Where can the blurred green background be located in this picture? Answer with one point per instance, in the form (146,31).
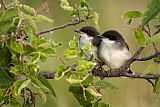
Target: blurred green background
(130,92)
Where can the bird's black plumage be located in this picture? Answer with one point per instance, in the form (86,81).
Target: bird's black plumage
(90,31)
(113,35)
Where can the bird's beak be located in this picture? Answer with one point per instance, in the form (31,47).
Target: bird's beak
(77,31)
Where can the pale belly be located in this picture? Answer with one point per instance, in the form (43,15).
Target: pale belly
(114,58)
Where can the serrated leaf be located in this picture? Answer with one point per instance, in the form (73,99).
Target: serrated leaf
(17,69)
(152,11)
(150,68)
(18,47)
(19,85)
(65,5)
(45,82)
(96,19)
(154,38)
(84,65)
(101,104)
(73,44)
(42,95)
(70,54)
(28,9)
(5,79)
(132,14)
(102,84)
(41,18)
(140,38)
(9,14)
(61,71)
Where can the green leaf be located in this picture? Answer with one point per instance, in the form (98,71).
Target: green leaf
(18,47)
(85,99)
(70,54)
(87,47)
(5,26)
(5,56)
(65,5)
(101,104)
(42,95)
(45,82)
(96,19)
(28,10)
(19,85)
(35,56)
(132,14)
(2,96)
(84,3)
(154,38)
(93,91)
(9,14)
(32,69)
(14,103)
(84,65)
(30,27)
(5,79)
(43,57)
(37,41)
(157,86)
(49,51)
(61,71)
(157,59)
(157,26)
(150,67)
(140,37)
(17,69)
(73,44)
(152,11)
(102,84)
(41,18)
(88,80)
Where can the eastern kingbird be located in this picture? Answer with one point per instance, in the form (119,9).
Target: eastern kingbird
(110,47)
(87,34)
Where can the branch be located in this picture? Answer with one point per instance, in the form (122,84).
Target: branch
(4,4)
(150,56)
(72,23)
(113,73)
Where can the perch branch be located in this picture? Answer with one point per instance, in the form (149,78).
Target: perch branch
(72,23)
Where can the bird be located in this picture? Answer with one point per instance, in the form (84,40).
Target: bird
(112,49)
(87,34)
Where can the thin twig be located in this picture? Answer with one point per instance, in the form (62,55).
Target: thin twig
(4,4)
(73,23)
(150,56)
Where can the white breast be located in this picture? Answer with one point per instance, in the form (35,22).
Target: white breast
(112,55)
